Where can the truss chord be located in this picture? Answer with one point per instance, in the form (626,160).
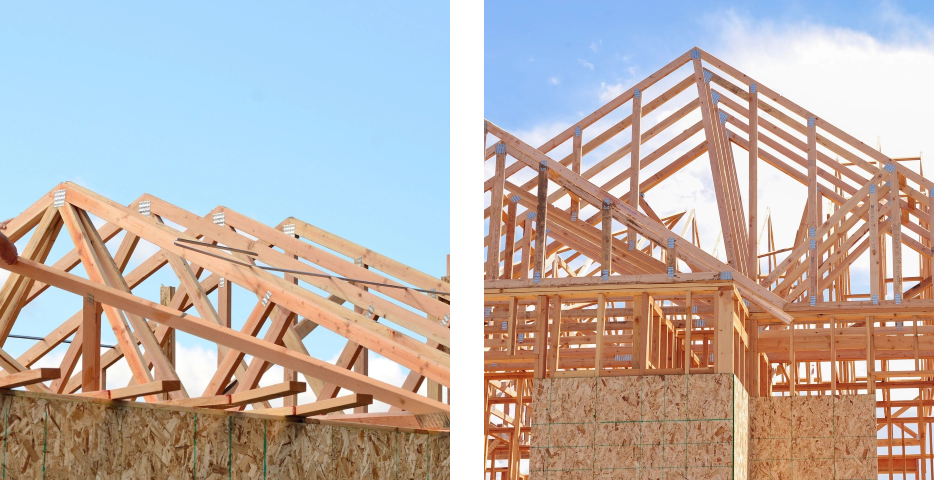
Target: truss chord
(311,274)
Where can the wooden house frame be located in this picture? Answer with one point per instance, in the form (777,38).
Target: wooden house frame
(583,278)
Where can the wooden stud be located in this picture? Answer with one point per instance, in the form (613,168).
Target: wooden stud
(541,223)
(541,340)
(723,331)
(875,286)
(91,341)
(601,331)
(813,214)
(496,217)
(510,253)
(554,336)
(895,216)
(753,257)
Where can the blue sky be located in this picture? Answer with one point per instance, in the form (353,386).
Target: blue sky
(334,113)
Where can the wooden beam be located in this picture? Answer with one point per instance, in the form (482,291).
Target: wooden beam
(875,261)
(541,223)
(133,391)
(256,395)
(509,255)
(895,216)
(496,217)
(634,154)
(576,154)
(641,311)
(322,407)
(813,214)
(29,377)
(232,339)
(723,331)
(554,335)
(601,331)
(753,269)
(224,302)
(91,344)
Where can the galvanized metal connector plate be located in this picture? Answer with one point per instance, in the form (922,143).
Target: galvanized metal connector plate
(58,200)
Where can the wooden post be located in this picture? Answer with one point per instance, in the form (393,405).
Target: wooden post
(833,355)
(792,363)
(870,356)
(895,215)
(723,331)
(813,220)
(541,223)
(91,344)
(496,214)
(514,456)
(287,374)
(641,311)
(512,325)
(688,326)
(165,298)
(525,255)
(555,335)
(752,358)
(753,271)
(878,293)
(223,310)
(634,155)
(601,330)
(510,253)
(576,154)
(606,256)
(541,334)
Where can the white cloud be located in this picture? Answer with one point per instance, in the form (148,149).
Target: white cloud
(585,63)
(609,92)
(554,81)
(594,46)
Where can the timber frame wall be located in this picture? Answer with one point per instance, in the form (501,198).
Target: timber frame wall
(584,278)
(212,252)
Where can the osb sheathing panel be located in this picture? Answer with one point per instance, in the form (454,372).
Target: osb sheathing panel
(813,437)
(212,447)
(649,426)
(90,439)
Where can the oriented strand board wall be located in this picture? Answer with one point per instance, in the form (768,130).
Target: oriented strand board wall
(813,437)
(652,426)
(53,437)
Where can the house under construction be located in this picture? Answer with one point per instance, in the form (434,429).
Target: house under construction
(77,424)
(616,346)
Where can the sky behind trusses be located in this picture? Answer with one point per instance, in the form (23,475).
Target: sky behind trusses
(335,113)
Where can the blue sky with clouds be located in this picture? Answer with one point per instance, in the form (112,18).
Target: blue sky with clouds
(336,113)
